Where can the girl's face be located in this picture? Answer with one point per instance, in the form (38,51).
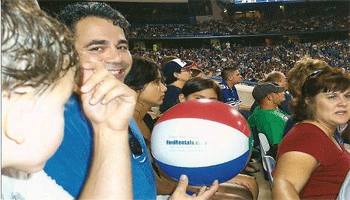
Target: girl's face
(153,93)
(203,94)
(332,108)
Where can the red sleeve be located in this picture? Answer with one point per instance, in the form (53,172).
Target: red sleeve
(307,138)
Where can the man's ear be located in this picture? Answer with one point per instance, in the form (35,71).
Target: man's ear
(269,96)
(182,98)
(176,75)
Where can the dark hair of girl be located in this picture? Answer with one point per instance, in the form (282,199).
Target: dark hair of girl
(198,84)
(143,71)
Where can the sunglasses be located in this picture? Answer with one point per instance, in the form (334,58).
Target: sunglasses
(135,145)
(137,150)
(313,75)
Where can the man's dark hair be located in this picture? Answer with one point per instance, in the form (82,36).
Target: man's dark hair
(225,73)
(72,13)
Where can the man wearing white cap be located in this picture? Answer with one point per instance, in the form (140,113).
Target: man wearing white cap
(176,73)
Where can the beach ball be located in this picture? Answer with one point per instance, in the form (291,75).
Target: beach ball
(204,139)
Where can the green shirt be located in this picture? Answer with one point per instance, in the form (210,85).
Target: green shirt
(269,122)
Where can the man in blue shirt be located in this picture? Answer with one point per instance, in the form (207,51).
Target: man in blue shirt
(100,38)
(86,157)
(230,77)
(70,165)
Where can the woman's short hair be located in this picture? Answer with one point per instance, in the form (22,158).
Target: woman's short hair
(198,84)
(326,80)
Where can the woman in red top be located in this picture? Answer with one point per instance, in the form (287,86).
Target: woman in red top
(310,162)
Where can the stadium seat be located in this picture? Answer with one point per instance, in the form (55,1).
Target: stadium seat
(267,160)
(264,144)
(270,166)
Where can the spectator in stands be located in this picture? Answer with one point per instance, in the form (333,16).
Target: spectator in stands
(195,72)
(202,88)
(280,79)
(262,59)
(297,76)
(267,118)
(145,78)
(176,72)
(230,77)
(250,75)
(311,164)
(38,69)
(37,77)
(165,60)
(101,42)
(327,18)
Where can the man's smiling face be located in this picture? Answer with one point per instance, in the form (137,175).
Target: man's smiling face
(99,39)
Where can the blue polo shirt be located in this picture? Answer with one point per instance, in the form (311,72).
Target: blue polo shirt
(70,165)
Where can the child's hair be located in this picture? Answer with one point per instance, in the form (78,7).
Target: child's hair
(35,47)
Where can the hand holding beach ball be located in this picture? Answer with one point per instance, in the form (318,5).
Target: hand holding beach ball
(204,139)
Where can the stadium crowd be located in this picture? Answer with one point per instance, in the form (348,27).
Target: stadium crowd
(78,73)
(261,59)
(243,27)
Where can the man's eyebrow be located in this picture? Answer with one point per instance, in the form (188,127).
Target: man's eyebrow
(96,42)
(123,41)
(105,42)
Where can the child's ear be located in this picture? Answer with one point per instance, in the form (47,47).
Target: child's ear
(14,104)
(182,98)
